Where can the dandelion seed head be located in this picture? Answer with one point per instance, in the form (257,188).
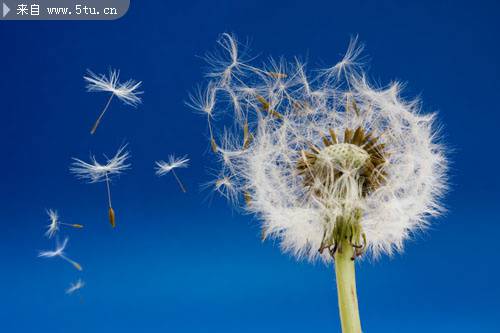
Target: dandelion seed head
(326,148)
(126,91)
(94,171)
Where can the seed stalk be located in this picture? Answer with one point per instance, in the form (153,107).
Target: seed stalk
(346,288)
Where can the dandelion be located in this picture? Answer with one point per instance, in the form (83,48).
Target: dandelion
(53,227)
(335,168)
(59,252)
(126,91)
(162,168)
(95,172)
(73,287)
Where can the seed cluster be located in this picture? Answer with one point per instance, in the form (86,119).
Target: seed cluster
(358,152)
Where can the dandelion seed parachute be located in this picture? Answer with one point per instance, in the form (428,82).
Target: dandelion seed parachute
(162,168)
(126,92)
(222,184)
(73,287)
(59,252)
(95,172)
(307,150)
(53,227)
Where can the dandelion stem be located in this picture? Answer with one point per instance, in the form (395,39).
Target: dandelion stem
(212,139)
(94,128)
(111,212)
(109,192)
(72,262)
(179,181)
(346,289)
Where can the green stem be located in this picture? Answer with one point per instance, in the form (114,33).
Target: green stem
(346,289)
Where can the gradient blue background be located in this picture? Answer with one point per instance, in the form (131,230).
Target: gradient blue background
(189,263)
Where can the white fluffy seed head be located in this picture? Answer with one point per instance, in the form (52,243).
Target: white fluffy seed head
(278,116)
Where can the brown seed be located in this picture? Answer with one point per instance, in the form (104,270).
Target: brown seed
(302,163)
(247,136)
(267,107)
(277,75)
(265,104)
(370,143)
(111,214)
(275,114)
(377,161)
(333,136)
(314,148)
(347,135)
(355,107)
(369,165)
(301,166)
(358,136)
(366,138)
(377,151)
(213,145)
(309,155)
(248,198)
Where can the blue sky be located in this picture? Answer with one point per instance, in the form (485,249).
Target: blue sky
(191,263)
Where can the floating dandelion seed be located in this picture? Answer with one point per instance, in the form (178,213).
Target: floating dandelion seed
(204,102)
(59,252)
(73,287)
(347,66)
(335,167)
(223,69)
(225,187)
(95,172)
(126,91)
(162,168)
(53,227)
